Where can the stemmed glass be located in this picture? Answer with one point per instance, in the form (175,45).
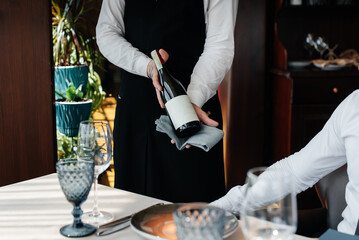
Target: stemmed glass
(269,206)
(309,44)
(76,177)
(321,46)
(95,142)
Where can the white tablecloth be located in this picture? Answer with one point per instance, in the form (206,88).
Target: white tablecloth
(36,209)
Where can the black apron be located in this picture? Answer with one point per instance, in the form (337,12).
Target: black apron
(145,160)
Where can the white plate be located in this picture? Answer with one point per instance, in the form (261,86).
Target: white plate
(156,223)
(299,64)
(331,67)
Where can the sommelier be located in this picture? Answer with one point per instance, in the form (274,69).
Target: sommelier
(198,37)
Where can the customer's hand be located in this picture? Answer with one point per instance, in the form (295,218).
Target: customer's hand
(153,74)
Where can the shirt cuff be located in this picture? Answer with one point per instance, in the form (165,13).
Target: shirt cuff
(196,95)
(232,201)
(140,66)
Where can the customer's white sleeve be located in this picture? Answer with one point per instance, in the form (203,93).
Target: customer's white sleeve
(322,155)
(110,31)
(350,135)
(218,52)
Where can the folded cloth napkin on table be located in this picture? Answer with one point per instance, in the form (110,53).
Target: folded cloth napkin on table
(332,234)
(205,138)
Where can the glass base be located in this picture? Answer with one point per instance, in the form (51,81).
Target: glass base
(71,231)
(97,219)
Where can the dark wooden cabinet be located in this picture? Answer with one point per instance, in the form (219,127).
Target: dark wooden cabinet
(307,120)
(315,95)
(304,99)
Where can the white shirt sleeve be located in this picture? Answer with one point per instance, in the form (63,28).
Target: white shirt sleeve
(326,152)
(350,135)
(212,65)
(218,52)
(110,31)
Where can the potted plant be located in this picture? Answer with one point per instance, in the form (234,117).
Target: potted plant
(75,57)
(75,53)
(71,109)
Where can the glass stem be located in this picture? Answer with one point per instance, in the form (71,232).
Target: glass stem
(95,210)
(77,213)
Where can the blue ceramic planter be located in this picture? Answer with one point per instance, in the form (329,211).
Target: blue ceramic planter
(70,114)
(64,75)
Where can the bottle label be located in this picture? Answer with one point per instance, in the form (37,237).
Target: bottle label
(181,111)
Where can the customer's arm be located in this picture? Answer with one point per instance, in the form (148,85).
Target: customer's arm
(322,155)
(350,135)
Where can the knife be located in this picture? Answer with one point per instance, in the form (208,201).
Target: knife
(118,224)
(116,228)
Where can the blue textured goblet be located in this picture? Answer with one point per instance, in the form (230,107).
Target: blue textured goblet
(76,177)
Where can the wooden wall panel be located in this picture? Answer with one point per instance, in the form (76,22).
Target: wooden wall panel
(282,116)
(27,132)
(246,93)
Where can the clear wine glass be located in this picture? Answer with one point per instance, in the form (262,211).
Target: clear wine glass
(309,44)
(95,142)
(269,206)
(321,46)
(76,177)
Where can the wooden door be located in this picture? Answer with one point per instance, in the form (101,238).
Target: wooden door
(27,132)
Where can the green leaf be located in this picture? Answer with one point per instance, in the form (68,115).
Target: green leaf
(60,94)
(73,93)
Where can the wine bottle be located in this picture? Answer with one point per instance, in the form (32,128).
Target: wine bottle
(178,105)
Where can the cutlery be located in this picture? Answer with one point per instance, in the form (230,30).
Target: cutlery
(114,229)
(118,224)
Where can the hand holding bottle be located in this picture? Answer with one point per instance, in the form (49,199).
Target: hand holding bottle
(172,96)
(203,117)
(153,74)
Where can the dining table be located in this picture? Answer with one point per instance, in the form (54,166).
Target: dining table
(36,209)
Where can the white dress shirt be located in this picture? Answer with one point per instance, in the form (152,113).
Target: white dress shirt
(212,65)
(336,144)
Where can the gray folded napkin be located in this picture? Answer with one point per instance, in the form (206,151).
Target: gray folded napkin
(205,138)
